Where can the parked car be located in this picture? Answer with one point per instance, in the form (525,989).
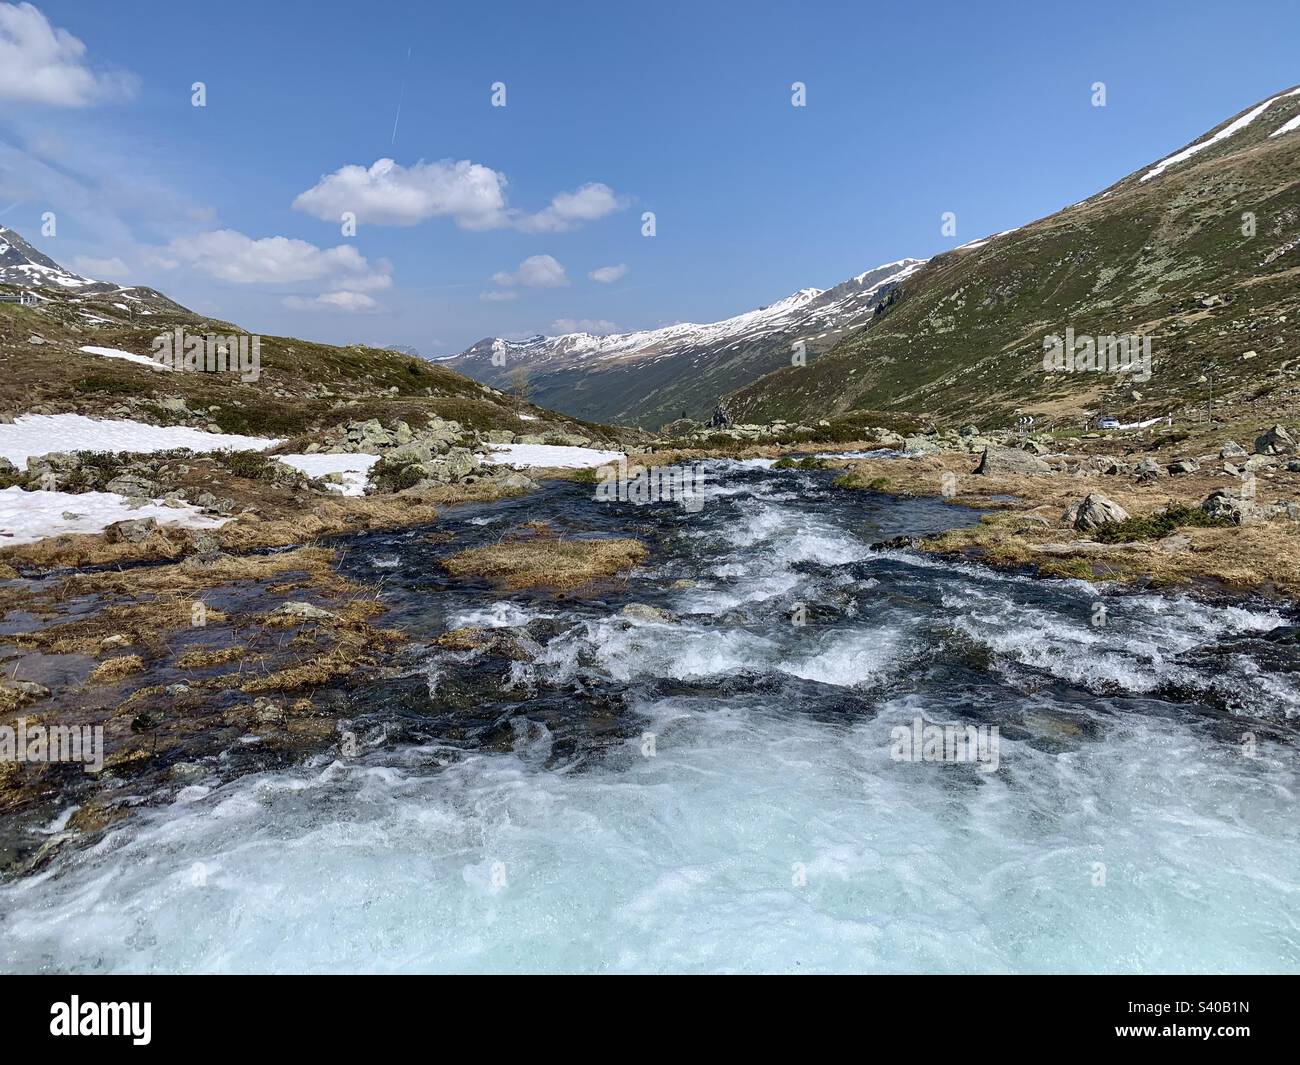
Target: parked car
(1108,423)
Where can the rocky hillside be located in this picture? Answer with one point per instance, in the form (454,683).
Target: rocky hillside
(655,376)
(299,387)
(1199,251)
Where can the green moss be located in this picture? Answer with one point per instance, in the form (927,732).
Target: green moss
(1158,526)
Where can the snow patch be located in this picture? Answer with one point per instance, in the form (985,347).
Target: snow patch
(40,434)
(525,455)
(1223,134)
(355,469)
(118,353)
(26,517)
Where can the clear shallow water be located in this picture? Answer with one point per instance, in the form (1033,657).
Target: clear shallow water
(505,812)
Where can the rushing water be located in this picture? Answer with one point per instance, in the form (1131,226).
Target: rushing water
(713,789)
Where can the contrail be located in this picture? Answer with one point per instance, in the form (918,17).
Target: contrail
(401,97)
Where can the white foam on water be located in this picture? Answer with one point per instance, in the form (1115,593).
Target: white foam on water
(752,836)
(753,840)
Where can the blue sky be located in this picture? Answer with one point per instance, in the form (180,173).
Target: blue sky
(683,109)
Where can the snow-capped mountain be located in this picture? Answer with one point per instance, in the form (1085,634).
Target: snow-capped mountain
(21,264)
(652,376)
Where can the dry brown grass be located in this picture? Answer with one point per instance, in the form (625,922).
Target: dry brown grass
(1028,531)
(115,669)
(206,659)
(546,562)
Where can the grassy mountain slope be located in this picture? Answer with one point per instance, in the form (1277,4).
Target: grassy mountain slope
(1165,257)
(302,387)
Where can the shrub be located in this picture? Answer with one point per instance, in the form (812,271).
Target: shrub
(1158,526)
(253,465)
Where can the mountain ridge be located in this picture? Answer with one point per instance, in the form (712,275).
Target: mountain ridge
(652,376)
(1196,250)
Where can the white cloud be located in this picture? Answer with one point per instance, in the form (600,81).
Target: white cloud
(471,194)
(231,256)
(387,194)
(342,301)
(499,296)
(537,271)
(568,210)
(607,275)
(101,269)
(44,65)
(583,325)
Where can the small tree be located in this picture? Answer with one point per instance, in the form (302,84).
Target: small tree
(519,384)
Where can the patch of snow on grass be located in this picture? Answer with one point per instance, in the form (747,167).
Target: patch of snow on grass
(354,469)
(575,458)
(41,434)
(26,517)
(1223,134)
(118,353)
(1287,127)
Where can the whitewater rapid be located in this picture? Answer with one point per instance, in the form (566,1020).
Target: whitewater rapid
(712,789)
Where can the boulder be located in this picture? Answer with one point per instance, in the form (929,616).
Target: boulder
(1149,470)
(306,611)
(1094,511)
(517,481)
(133,486)
(1223,504)
(644,612)
(1011,460)
(131,531)
(1180,466)
(1232,450)
(1277,441)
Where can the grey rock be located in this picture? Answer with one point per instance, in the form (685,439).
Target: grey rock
(1011,460)
(1223,504)
(306,611)
(1277,441)
(131,531)
(644,612)
(1149,470)
(1094,511)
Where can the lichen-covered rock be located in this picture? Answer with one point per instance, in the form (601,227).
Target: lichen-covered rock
(131,531)
(1012,461)
(1094,511)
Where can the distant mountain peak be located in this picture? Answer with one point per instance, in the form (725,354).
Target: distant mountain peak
(22,264)
(656,374)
